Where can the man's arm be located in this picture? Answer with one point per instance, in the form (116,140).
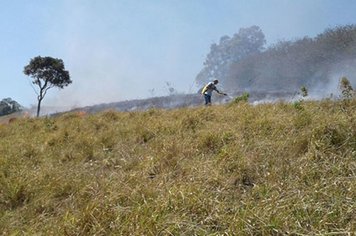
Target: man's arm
(219,92)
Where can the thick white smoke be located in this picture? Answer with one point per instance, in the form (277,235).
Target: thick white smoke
(330,88)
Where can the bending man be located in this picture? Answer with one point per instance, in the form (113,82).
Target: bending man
(208,91)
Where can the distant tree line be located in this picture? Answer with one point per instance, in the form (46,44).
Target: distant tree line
(230,51)
(242,62)
(8,106)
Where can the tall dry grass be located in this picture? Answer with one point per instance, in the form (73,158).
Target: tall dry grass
(238,169)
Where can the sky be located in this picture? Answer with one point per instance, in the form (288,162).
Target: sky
(119,50)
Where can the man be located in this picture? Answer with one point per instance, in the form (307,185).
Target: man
(208,91)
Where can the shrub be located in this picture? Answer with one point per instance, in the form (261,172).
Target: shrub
(298,105)
(243,98)
(346,88)
(304,91)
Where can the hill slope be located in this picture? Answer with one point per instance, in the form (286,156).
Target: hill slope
(234,169)
(13,116)
(182,100)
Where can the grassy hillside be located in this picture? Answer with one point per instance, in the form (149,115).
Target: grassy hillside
(12,117)
(223,170)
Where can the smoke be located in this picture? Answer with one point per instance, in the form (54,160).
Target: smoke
(123,50)
(114,56)
(330,88)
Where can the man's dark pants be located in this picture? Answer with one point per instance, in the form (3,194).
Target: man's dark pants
(207,99)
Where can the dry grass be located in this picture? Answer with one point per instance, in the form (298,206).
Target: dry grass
(223,170)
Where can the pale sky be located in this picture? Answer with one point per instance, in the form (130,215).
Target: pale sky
(121,49)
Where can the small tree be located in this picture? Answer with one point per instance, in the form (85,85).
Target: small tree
(304,91)
(171,89)
(47,72)
(346,88)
